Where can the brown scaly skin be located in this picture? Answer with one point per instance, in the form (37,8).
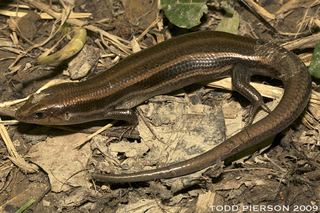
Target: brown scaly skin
(171,65)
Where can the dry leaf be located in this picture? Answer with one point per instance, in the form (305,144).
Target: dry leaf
(64,164)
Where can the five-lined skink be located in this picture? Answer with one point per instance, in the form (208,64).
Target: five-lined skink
(171,65)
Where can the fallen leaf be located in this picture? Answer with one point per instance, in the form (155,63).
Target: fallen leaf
(64,164)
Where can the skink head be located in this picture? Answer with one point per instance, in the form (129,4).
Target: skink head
(40,110)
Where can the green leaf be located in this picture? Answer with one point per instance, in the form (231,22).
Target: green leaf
(184,13)
(230,23)
(314,67)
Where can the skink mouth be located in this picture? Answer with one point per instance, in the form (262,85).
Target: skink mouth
(24,115)
(19,115)
(22,118)
(26,119)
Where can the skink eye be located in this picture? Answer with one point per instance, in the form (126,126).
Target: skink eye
(67,116)
(38,115)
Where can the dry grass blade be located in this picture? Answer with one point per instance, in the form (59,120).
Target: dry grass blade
(272,92)
(44,15)
(12,5)
(306,42)
(13,154)
(294,4)
(260,10)
(265,90)
(48,84)
(81,143)
(8,104)
(8,45)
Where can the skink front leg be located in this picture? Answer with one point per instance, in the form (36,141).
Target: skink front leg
(127,115)
(241,77)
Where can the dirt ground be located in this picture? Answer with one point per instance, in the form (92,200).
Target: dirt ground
(44,170)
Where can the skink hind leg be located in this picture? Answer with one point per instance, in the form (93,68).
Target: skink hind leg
(241,83)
